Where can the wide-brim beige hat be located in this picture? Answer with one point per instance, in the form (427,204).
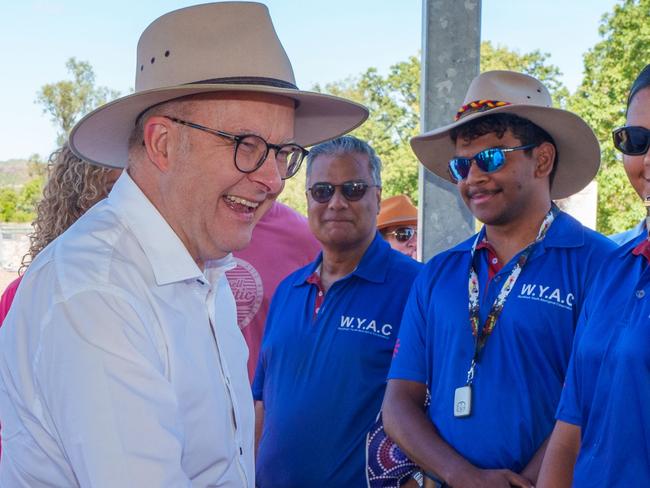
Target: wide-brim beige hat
(495,92)
(216,47)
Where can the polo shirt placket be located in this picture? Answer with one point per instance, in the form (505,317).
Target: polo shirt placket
(322,378)
(521,369)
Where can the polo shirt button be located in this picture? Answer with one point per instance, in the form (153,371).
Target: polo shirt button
(640,293)
(320,293)
(495,260)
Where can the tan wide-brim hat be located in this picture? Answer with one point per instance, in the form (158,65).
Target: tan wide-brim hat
(496,92)
(216,47)
(397,210)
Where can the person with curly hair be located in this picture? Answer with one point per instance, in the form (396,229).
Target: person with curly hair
(73,186)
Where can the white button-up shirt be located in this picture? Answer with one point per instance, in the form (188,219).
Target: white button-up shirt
(121,363)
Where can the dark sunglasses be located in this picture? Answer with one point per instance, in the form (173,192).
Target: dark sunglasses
(632,140)
(322,192)
(488,160)
(403,234)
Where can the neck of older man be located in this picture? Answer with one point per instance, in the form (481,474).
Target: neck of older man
(338,262)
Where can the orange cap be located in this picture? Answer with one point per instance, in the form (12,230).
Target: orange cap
(397,210)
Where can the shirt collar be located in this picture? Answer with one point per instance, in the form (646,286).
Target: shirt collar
(565,231)
(634,246)
(372,266)
(168,257)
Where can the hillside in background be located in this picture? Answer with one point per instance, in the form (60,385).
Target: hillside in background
(14,173)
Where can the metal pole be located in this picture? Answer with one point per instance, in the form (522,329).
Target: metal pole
(451,37)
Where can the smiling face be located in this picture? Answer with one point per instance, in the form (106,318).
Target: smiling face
(341,224)
(638,167)
(509,195)
(211,205)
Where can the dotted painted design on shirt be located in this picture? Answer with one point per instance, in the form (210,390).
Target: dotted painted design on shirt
(246,285)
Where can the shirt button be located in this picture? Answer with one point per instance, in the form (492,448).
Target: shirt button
(640,293)
(317,310)
(495,260)
(320,293)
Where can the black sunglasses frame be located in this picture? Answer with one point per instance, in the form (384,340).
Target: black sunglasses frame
(479,160)
(618,139)
(399,237)
(347,190)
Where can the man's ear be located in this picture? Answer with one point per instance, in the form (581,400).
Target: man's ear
(378,200)
(157,131)
(545,156)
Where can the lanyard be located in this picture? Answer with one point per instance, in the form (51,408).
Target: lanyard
(481,336)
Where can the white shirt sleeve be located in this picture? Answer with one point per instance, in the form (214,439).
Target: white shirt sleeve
(101,373)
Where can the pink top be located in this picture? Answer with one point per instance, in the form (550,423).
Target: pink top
(7,298)
(281,243)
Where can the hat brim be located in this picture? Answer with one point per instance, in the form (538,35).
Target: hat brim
(101,137)
(398,221)
(577,147)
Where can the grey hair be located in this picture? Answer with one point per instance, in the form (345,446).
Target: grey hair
(347,145)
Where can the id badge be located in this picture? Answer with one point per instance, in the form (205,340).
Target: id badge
(463,401)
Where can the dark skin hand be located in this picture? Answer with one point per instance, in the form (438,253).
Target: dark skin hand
(408,425)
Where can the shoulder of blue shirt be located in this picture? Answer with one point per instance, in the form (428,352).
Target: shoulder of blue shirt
(378,261)
(565,232)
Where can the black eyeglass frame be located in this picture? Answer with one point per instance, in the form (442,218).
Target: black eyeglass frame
(625,128)
(474,159)
(238,138)
(342,186)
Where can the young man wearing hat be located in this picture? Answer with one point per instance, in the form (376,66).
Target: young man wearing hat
(489,324)
(398,224)
(122,361)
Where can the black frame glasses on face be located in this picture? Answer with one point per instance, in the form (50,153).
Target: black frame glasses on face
(352,191)
(632,140)
(252,150)
(488,160)
(403,234)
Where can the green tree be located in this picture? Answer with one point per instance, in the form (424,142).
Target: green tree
(394,103)
(610,67)
(67,100)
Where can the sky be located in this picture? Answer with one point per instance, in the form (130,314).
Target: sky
(326,40)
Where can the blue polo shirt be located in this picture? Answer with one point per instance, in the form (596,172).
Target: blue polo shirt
(322,378)
(607,391)
(519,377)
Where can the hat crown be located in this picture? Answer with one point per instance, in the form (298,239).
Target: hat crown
(509,87)
(225,41)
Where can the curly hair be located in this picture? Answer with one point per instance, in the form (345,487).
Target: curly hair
(73,186)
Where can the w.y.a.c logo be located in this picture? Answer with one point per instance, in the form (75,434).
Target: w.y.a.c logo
(373,327)
(547,294)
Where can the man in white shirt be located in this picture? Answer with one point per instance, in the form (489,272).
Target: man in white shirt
(121,361)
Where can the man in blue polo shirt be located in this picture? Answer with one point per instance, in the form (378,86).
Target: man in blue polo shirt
(331,330)
(489,325)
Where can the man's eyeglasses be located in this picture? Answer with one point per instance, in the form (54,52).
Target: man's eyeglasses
(403,234)
(322,192)
(488,160)
(632,140)
(252,150)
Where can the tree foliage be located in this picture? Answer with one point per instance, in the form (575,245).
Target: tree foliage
(394,103)
(67,100)
(610,67)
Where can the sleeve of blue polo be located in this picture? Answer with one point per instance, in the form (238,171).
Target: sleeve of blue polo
(258,380)
(409,357)
(569,409)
